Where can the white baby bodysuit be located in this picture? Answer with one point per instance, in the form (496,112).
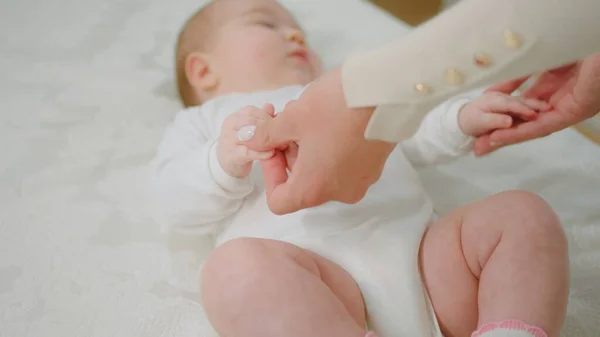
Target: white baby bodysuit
(376,240)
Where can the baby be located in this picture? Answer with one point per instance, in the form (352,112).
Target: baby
(386,265)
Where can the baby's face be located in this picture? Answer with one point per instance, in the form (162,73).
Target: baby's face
(259,46)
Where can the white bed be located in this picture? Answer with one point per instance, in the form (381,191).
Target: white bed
(85,92)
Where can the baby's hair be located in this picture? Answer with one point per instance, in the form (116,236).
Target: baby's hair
(193,37)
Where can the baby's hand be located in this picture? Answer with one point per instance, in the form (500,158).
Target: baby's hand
(236,159)
(494,110)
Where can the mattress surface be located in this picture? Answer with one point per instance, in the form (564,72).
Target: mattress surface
(86,90)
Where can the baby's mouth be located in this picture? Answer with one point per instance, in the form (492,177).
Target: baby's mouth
(300,54)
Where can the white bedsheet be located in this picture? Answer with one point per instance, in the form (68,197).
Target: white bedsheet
(86,90)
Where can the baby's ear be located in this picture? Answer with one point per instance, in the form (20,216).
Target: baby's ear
(199,73)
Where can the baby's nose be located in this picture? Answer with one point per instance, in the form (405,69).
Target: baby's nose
(296,36)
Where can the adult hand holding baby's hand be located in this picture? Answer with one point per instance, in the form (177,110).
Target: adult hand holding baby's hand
(333,161)
(495,110)
(573,91)
(235,158)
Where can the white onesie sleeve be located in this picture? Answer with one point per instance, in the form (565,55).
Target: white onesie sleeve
(439,138)
(191,190)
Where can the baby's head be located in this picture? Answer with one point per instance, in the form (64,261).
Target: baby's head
(241,46)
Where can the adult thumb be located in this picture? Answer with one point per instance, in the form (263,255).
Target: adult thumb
(267,135)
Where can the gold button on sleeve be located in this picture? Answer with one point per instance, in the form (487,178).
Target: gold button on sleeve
(454,77)
(482,60)
(423,88)
(511,39)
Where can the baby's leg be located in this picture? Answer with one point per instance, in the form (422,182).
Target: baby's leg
(266,288)
(501,259)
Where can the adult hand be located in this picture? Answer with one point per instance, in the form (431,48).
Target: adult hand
(572,90)
(333,161)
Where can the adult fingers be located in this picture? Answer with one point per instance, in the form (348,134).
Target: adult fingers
(550,82)
(274,172)
(306,186)
(282,196)
(545,124)
(507,87)
(291,154)
(543,88)
(511,105)
(255,155)
(483,146)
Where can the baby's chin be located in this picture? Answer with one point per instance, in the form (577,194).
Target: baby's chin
(303,82)
(286,82)
(274,85)
(294,78)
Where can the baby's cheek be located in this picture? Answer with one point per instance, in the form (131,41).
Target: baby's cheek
(259,59)
(245,52)
(316,63)
(257,49)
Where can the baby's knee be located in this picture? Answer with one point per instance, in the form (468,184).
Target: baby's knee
(232,266)
(527,204)
(533,216)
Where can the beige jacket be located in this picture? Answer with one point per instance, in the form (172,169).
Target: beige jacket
(473,44)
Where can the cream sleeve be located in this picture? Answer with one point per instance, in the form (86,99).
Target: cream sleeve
(439,139)
(473,44)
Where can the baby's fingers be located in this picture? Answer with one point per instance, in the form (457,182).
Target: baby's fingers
(251,115)
(537,105)
(493,121)
(254,155)
(513,106)
(245,121)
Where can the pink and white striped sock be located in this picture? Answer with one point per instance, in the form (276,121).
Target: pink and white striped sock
(510,328)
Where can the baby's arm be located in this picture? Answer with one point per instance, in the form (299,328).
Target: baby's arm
(439,139)
(198,180)
(450,129)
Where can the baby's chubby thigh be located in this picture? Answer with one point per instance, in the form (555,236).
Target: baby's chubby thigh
(254,282)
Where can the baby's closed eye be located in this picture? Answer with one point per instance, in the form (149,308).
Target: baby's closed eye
(266,23)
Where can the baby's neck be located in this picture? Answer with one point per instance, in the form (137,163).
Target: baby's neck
(251,90)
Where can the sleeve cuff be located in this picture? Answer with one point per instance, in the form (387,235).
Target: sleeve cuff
(449,123)
(224,180)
